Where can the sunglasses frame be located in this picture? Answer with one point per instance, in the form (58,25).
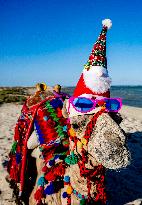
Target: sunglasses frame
(94,101)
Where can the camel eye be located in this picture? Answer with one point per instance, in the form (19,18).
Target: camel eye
(75,126)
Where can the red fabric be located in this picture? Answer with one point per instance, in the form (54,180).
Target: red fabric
(23,130)
(82,89)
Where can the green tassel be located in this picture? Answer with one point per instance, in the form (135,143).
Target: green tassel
(71,159)
(53,114)
(51,111)
(56,119)
(82,202)
(13,149)
(59,128)
(60,132)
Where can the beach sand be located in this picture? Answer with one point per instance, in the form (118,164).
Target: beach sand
(124,186)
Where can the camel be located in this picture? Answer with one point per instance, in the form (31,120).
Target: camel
(106,146)
(96,141)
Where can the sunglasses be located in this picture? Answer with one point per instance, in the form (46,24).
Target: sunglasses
(84,105)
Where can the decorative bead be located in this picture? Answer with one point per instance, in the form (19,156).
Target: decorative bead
(69,190)
(65,195)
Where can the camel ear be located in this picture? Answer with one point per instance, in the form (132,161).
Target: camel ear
(64,109)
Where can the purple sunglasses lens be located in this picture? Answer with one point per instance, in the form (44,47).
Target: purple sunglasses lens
(83,104)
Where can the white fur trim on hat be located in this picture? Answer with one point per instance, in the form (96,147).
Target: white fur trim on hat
(98,70)
(97,79)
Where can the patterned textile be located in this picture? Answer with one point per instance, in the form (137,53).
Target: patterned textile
(23,129)
(50,126)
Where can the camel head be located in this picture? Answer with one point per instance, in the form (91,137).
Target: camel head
(106,144)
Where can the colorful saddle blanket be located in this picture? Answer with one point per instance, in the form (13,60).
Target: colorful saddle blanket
(51,128)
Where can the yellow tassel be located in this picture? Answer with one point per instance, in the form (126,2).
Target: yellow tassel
(69,190)
(72,132)
(79,145)
(84,141)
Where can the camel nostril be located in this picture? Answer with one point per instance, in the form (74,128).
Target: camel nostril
(75,126)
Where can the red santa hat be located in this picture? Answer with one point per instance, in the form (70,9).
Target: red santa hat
(94,79)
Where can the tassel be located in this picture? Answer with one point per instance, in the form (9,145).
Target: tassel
(49,189)
(41,181)
(82,202)
(13,149)
(71,159)
(39,194)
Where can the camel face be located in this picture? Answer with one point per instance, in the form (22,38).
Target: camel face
(106,145)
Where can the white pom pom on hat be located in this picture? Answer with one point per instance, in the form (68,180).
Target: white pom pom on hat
(107,23)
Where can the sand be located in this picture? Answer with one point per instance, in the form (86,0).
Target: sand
(124,186)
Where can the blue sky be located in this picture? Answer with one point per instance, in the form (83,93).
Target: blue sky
(50,40)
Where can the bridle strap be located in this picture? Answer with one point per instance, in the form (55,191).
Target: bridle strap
(84,172)
(91,124)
